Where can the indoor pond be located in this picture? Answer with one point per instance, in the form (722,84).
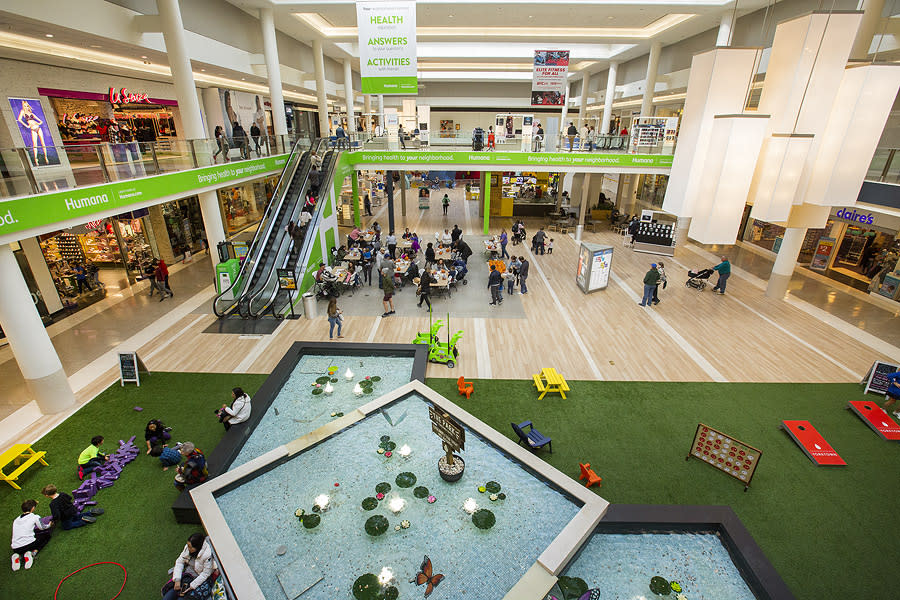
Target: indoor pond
(365,514)
(640,566)
(296,411)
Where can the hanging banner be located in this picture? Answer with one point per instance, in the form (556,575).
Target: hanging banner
(550,77)
(387,47)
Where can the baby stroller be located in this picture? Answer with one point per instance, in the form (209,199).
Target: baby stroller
(698,280)
(478,139)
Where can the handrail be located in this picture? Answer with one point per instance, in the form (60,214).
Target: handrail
(249,265)
(329,165)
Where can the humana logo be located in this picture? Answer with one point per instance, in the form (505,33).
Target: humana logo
(72,204)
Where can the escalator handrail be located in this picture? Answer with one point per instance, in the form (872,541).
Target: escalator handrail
(329,163)
(293,162)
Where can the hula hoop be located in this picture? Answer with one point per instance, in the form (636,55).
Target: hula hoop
(61,581)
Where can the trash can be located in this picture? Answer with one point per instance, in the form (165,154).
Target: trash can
(309,305)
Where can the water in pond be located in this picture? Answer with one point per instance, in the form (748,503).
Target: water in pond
(296,411)
(620,566)
(477,564)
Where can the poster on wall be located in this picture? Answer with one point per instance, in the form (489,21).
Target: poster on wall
(29,116)
(549,78)
(387,47)
(823,253)
(447,129)
(245,109)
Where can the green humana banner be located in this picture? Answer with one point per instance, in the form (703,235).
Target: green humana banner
(387,47)
(502,160)
(29,212)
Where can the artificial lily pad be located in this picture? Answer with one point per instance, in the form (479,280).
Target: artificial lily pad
(483,518)
(334,380)
(502,496)
(376,378)
(367,587)
(311,520)
(390,593)
(385,438)
(383,488)
(369,390)
(406,480)
(376,525)
(316,508)
(323,379)
(492,487)
(387,446)
(659,586)
(369,503)
(420,492)
(317,391)
(572,588)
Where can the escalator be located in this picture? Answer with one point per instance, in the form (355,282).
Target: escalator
(271,235)
(271,299)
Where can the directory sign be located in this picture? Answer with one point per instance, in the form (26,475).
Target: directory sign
(725,453)
(600,269)
(549,79)
(387,47)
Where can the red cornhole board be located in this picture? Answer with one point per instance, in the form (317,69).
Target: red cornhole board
(813,444)
(875,417)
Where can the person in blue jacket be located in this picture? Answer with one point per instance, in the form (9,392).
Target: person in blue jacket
(893,392)
(724,270)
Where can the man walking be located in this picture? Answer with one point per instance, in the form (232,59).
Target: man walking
(651,280)
(494,282)
(724,270)
(445,203)
(539,241)
(523,275)
(571,132)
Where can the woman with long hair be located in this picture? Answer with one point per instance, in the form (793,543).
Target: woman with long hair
(222,142)
(192,571)
(28,119)
(335,317)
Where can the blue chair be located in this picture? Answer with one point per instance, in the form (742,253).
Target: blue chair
(532,439)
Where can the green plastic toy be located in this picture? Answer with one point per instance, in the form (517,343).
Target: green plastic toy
(427,337)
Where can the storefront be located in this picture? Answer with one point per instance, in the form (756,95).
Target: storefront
(244,205)
(858,247)
(84,117)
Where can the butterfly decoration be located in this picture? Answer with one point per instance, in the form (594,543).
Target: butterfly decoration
(424,576)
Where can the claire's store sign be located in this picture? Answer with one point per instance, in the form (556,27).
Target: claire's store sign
(124,96)
(32,212)
(850,214)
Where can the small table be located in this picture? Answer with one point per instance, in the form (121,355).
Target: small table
(367,236)
(442,252)
(441,282)
(15,454)
(548,380)
(353,255)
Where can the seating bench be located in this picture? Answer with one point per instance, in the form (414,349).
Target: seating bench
(14,454)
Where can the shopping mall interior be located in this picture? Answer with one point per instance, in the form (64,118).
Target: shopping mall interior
(308,246)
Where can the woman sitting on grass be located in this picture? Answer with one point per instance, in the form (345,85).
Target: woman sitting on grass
(191,575)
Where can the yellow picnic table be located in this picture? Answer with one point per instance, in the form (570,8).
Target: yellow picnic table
(16,453)
(548,380)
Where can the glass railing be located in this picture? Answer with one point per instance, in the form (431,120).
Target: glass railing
(459,141)
(26,171)
(885,166)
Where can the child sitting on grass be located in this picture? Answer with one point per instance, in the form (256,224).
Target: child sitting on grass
(64,512)
(29,535)
(169,457)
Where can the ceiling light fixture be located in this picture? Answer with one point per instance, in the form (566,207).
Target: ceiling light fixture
(49,35)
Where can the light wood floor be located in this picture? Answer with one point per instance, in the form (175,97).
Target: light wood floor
(689,336)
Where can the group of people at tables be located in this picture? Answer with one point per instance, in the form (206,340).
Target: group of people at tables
(353,262)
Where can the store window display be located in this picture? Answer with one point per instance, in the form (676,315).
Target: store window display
(244,205)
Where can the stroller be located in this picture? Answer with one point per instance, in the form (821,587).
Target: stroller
(478,139)
(698,280)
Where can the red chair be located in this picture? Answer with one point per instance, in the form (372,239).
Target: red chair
(587,473)
(465,387)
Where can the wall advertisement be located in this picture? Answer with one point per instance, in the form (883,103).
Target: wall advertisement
(387,47)
(29,116)
(244,108)
(549,79)
(20,214)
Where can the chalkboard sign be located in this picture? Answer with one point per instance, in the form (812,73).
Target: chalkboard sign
(130,366)
(876,379)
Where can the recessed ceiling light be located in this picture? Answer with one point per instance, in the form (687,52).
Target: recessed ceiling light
(143,57)
(95,46)
(204,70)
(243,79)
(48,35)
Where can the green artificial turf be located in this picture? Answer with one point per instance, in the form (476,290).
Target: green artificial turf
(138,529)
(829,531)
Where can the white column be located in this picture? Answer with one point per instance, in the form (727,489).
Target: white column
(610,96)
(182,74)
(582,108)
(650,81)
(348,95)
(563,124)
(189,107)
(273,70)
(785,261)
(585,198)
(725,26)
(41,273)
(34,352)
(867,28)
(319,60)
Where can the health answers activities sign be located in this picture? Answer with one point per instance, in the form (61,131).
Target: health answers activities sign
(387,47)
(549,79)
(20,214)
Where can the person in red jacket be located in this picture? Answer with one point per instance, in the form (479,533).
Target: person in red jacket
(161,274)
